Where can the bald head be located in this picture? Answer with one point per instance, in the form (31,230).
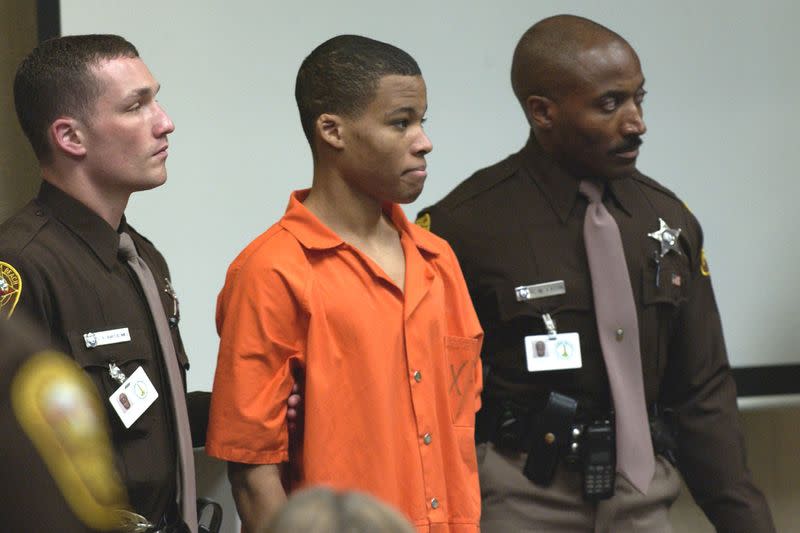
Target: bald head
(582,88)
(547,58)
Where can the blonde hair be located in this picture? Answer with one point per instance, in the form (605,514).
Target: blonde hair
(323,510)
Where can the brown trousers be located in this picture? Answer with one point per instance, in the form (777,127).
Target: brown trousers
(511,503)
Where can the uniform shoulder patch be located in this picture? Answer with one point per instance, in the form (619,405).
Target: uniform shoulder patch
(57,406)
(704,263)
(424,221)
(10,289)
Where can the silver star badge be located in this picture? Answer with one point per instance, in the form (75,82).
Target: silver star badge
(667,236)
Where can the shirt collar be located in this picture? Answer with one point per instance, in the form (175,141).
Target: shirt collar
(101,238)
(560,187)
(315,235)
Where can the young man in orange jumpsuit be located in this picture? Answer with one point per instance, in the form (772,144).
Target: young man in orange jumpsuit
(368,312)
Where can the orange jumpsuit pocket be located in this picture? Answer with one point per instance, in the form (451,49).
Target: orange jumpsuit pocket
(463,357)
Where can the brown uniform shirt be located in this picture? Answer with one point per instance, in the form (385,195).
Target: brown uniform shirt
(520,222)
(73,283)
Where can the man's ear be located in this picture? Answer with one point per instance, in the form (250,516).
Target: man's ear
(541,111)
(329,128)
(67,136)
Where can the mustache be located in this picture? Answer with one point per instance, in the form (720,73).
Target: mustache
(630,144)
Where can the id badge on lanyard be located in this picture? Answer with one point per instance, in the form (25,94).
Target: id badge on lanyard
(553,351)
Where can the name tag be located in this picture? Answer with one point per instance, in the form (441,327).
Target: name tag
(553,352)
(133,397)
(540,290)
(94,339)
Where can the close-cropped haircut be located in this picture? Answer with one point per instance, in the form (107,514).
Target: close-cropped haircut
(545,58)
(56,79)
(341,76)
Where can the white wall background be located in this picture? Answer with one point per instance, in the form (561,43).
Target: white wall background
(722,80)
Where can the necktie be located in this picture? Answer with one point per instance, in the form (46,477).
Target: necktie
(618,329)
(186,478)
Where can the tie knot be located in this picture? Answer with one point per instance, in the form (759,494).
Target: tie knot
(127,250)
(591,190)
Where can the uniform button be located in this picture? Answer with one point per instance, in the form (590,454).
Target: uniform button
(417,376)
(620,334)
(549,438)
(434,503)
(427,438)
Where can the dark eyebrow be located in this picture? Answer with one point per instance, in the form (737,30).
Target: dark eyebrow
(405,110)
(144,91)
(614,93)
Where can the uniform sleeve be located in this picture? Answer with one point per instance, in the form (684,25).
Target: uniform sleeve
(711,452)
(262,323)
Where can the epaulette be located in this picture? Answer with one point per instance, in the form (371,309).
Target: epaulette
(653,184)
(480,181)
(21,228)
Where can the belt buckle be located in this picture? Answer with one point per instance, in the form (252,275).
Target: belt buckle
(130,522)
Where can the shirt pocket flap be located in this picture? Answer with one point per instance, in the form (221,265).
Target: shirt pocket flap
(673,281)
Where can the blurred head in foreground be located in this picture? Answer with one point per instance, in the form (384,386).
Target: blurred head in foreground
(323,510)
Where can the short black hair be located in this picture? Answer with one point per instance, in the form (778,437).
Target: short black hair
(342,74)
(56,79)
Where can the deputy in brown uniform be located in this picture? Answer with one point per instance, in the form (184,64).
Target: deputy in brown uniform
(517,228)
(88,106)
(56,462)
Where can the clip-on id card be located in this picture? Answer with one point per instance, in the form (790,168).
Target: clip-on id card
(133,397)
(553,351)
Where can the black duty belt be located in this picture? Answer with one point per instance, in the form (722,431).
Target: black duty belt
(560,431)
